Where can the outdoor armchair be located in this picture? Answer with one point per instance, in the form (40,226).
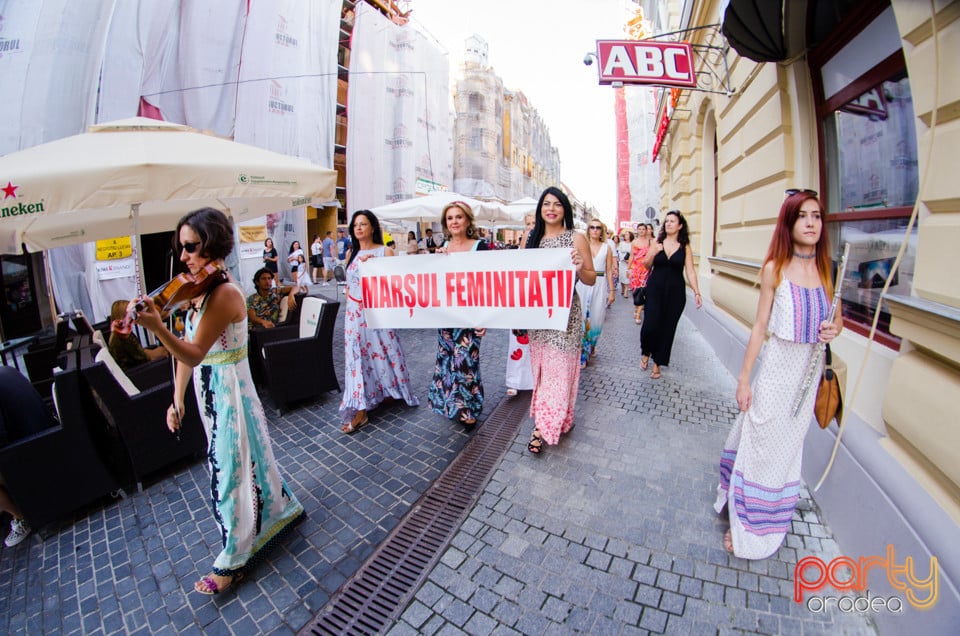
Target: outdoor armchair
(300,366)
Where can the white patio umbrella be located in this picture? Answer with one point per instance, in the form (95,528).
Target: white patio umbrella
(141,175)
(430,206)
(520,208)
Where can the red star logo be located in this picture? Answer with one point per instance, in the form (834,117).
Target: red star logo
(10,191)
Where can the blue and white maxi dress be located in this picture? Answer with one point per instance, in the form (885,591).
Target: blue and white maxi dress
(251,502)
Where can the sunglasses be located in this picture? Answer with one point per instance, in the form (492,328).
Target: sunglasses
(595,227)
(792,191)
(189,247)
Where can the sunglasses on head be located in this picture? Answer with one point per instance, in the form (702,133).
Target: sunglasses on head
(189,247)
(792,191)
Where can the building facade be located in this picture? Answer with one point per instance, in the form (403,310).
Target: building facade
(855,100)
(502,147)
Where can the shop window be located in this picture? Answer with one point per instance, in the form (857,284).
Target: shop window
(870,169)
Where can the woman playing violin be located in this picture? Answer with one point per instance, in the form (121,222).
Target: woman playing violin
(252,504)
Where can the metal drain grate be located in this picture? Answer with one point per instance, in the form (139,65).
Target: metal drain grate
(373,598)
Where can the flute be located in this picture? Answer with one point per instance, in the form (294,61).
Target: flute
(821,346)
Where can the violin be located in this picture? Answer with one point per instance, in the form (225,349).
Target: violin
(176,293)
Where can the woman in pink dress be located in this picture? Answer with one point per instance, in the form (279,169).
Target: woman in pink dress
(555,354)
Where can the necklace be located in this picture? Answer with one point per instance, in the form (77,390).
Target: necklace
(805,257)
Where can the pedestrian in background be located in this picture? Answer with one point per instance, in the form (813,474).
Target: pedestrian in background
(375,369)
(343,244)
(328,251)
(457,389)
(253,506)
(613,274)
(519,376)
(316,260)
(555,354)
(670,256)
(623,260)
(412,246)
(293,260)
(761,458)
(595,298)
(271,260)
(638,269)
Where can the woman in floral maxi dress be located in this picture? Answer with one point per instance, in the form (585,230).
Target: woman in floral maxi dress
(761,459)
(251,503)
(457,389)
(554,354)
(375,369)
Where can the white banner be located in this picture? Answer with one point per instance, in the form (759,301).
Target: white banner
(503,289)
(116,269)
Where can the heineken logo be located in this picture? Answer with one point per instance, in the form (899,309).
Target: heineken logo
(17,208)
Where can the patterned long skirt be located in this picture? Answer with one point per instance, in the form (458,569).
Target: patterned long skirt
(760,462)
(555,362)
(457,391)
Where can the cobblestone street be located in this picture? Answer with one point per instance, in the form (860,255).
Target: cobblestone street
(612,531)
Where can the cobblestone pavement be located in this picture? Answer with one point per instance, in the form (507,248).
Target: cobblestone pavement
(610,532)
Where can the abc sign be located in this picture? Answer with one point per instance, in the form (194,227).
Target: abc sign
(646,62)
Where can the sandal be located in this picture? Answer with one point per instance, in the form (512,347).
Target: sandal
(644,362)
(656,372)
(466,419)
(728,541)
(511,392)
(535,445)
(359,420)
(209,587)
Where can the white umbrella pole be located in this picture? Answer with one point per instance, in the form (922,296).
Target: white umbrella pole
(141,281)
(49,274)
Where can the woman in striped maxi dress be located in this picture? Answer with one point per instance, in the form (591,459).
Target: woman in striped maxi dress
(760,463)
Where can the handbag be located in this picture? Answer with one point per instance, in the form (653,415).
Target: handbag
(829,403)
(639,296)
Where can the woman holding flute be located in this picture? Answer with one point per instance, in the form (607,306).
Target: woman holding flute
(760,462)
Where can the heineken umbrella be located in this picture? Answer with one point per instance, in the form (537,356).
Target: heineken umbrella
(138,176)
(429,208)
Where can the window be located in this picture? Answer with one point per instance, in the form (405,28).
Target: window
(870,171)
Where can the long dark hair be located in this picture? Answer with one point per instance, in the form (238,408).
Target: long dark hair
(377,234)
(536,234)
(683,237)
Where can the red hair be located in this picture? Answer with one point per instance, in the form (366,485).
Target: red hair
(781,245)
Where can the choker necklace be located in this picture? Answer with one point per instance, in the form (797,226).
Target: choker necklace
(805,257)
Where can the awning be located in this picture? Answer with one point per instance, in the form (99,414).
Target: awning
(765,30)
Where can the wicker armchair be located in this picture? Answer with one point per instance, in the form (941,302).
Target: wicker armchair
(58,469)
(139,414)
(288,328)
(300,366)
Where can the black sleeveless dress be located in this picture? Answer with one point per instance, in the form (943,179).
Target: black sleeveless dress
(666,298)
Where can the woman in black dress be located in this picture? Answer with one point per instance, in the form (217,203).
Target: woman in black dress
(670,255)
(270,259)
